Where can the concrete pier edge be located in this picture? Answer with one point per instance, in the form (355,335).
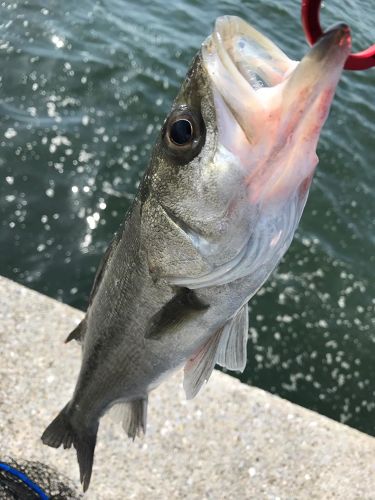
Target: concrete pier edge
(232,442)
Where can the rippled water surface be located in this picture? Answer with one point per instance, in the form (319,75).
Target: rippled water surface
(84,88)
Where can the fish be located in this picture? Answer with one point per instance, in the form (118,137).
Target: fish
(217,209)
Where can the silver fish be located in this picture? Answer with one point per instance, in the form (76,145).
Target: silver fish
(216,211)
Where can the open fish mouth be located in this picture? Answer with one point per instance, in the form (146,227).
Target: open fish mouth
(238,50)
(257,87)
(240,59)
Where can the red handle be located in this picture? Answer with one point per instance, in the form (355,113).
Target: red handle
(313,31)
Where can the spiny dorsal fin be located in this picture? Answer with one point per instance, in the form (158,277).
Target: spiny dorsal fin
(103,264)
(226,347)
(78,333)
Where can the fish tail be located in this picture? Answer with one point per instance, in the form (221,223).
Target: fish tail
(62,432)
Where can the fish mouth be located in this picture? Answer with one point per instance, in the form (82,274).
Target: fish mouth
(241,55)
(269,108)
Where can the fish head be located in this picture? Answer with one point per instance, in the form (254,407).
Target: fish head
(237,154)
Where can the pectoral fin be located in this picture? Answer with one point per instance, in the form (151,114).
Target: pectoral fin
(182,307)
(226,347)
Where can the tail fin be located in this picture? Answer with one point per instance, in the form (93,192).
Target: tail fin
(61,432)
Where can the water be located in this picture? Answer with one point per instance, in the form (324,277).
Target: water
(84,89)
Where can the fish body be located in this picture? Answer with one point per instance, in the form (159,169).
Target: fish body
(216,211)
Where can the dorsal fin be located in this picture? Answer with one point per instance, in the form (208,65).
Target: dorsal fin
(103,263)
(78,333)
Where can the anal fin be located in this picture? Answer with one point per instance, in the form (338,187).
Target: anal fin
(134,416)
(227,347)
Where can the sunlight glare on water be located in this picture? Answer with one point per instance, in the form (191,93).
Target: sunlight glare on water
(84,89)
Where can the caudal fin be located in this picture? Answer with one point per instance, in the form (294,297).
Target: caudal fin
(61,432)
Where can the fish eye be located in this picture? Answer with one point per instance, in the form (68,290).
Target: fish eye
(181,132)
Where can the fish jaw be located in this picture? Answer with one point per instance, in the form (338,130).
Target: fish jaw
(270,109)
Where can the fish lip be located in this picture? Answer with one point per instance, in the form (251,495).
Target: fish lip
(336,37)
(244,52)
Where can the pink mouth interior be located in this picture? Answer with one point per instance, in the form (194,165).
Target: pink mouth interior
(270,109)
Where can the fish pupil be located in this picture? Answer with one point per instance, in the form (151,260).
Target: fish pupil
(181,132)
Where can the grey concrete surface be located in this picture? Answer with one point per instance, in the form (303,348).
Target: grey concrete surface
(231,442)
